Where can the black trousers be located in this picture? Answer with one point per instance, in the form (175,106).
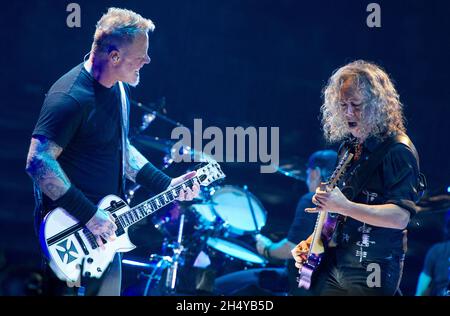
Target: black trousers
(368,278)
(108,285)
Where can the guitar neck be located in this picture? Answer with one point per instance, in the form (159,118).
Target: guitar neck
(153,204)
(317,245)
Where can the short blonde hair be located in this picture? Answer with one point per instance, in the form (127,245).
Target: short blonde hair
(119,27)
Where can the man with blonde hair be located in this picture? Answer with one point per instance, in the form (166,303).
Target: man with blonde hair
(79,150)
(365,253)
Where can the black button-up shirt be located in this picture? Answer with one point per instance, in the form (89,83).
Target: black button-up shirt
(394,181)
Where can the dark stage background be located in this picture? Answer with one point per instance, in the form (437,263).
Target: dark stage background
(231,63)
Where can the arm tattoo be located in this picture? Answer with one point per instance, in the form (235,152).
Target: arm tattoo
(134,162)
(44,169)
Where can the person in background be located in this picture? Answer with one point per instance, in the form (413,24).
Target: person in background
(434,280)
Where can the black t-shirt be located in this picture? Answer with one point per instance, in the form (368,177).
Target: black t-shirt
(394,181)
(437,266)
(303,224)
(84,118)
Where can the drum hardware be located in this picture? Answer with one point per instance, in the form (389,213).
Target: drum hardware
(177,249)
(151,108)
(146,120)
(169,263)
(215,228)
(293,167)
(165,146)
(153,111)
(129,194)
(159,224)
(161,145)
(155,276)
(252,211)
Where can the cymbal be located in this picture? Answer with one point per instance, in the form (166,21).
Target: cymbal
(296,174)
(294,168)
(166,146)
(155,143)
(195,155)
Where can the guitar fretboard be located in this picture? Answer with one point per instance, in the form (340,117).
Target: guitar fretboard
(146,208)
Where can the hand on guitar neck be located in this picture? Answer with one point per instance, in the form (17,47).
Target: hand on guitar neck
(333,201)
(328,198)
(189,193)
(102,223)
(300,252)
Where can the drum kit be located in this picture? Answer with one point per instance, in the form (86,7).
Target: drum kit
(210,237)
(203,239)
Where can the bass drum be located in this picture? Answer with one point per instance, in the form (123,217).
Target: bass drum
(239,211)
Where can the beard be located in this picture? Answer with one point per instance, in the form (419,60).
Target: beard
(132,78)
(135,82)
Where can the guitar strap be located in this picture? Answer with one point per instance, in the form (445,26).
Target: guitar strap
(124,123)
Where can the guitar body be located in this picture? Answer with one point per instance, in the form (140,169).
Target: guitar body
(308,268)
(71,247)
(314,259)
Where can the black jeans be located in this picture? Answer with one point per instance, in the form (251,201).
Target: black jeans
(368,278)
(108,285)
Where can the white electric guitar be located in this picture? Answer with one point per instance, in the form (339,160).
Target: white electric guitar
(72,249)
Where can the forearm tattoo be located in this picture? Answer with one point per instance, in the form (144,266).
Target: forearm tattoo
(134,162)
(45,170)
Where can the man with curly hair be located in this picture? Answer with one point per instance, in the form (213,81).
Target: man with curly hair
(362,110)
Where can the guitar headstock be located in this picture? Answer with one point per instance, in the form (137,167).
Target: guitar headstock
(209,173)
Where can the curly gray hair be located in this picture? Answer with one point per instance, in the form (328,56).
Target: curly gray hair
(381,109)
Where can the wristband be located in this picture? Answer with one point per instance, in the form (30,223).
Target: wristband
(266,252)
(77,205)
(152,178)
